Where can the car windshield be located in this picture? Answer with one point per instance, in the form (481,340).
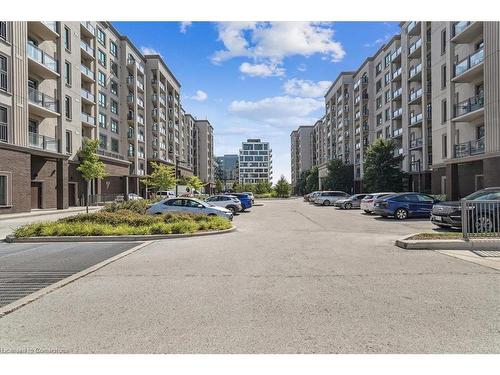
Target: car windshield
(478,195)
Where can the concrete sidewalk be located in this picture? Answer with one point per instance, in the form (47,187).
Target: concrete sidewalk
(49,211)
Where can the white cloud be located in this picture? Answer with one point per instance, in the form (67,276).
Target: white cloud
(271,42)
(278,111)
(306,88)
(200,96)
(261,70)
(149,51)
(184,26)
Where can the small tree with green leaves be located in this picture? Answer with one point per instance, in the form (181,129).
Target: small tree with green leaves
(91,167)
(283,188)
(312,181)
(161,178)
(263,187)
(339,177)
(195,183)
(218,186)
(382,170)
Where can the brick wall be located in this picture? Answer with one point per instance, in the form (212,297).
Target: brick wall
(18,164)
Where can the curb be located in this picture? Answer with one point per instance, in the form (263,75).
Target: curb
(149,237)
(45,213)
(473,244)
(40,293)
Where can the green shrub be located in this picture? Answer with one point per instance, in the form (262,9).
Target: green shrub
(138,206)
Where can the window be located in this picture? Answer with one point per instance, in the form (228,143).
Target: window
(113,49)
(114,69)
(67,107)
(378,85)
(101,78)
(114,126)
(4,135)
(103,141)
(5,189)
(3,73)
(387,114)
(3,30)
(103,100)
(69,142)
(379,102)
(67,38)
(387,78)
(379,119)
(114,107)
(444,111)
(444,146)
(103,121)
(443,76)
(113,87)
(115,145)
(67,73)
(101,57)
(101,37)
(387,59)
(480,131)
(443,41)
(378,69)
(387,96)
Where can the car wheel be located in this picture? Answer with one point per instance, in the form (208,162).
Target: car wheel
(212,215)
(367,211)
(326,203)
(401,214)
(233,209)
(158,213)
(348,206)
(483,224)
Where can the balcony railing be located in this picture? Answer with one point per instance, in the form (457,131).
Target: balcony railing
(398,152)
(89,73)
(415,119)
(415,166)
(397,132)
(411,26)
(51,25)
(4,132)
(458,27)
(397,92)
(41,57)
(39,98)
(88,26)
(469,62)
(415,95)
(398,112)
(396,73)
(110,154)
(396,54)
(87,48)
(414,70)
(88,95)
(88,118)
(469,105)
(414,46)
(469,148)
(416,142)
(43,142)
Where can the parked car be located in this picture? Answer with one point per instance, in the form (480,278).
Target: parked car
(245,200)
(405,205)
(369,200)
(354,201)
(134,197)
(449,214)
(188,205)
(165,194)
(327,198)
(310,197)
(230,202)
(250,194)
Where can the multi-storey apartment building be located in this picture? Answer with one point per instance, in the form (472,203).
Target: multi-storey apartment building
(301,152)
(433,89)
(62,82)
(204,153)
(256,162)
(227,170)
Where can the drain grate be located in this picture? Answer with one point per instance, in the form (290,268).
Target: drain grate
(487,253)
(16,284)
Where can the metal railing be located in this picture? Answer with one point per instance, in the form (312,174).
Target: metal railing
(96,199)
(469,62)
(460,26)
(87,118)
(88,95)
(4,132)
(38,55)
(41,99)
(469,148)
(416,142)
(480,218)
(415,119)
(43,142)
(414,46)
(88,26)
(86,71)
(86,48)
(110,154)
(415,166)
(414,70)
(415,95)
(469,105)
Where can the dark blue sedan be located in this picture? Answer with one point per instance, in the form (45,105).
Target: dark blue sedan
(405,205)
(245,199)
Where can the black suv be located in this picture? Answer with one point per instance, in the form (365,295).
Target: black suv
(449,214)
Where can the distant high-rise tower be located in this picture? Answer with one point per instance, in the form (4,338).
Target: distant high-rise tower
(256,163)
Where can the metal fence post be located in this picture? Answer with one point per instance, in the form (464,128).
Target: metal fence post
(465,219)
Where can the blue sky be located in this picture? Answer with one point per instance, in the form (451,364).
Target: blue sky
(258,79)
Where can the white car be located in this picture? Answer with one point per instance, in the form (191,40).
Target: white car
(134,197)
(327,198)
(190,206)
(230,202)
(165,194)
(367,203)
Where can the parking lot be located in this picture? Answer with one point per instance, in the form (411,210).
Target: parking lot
(294,278)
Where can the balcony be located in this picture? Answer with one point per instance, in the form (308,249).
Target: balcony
(87,96)
(140,102)
(469,68)
(415,97)
(396,55)
(110,154)
(43,142)
(397,93)
(47,30)
(415,143)
(469,110)
(397,132)
(466,31)
(88,50)
(41,63)
(4,132)
(87,74)
(397,113)
(415,166)
(130,62)
(398,152)
(396,75)
(415,48)
(130,81)
(87,28)
(413,28)
(415,72)
(130,99)
(140,85)
(87,119)
(41,104)
(416,119)
(470,148)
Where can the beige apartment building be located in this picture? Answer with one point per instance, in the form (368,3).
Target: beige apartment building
(204,157)
(301,152)
(433,89)
(61,82)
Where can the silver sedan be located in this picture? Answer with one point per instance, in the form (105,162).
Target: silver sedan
(190,206)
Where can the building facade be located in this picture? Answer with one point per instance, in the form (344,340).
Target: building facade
(204,154)
(227,170)
(301,152)
(62,82)
(256,162)
(433,89)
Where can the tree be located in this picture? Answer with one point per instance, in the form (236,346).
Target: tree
(283,188)
(161,178)
(236,187)
(382,170)
(301,186)
(91,166)
(312,183)
(195,183)
(218,186)
(339,177)
(263,187)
